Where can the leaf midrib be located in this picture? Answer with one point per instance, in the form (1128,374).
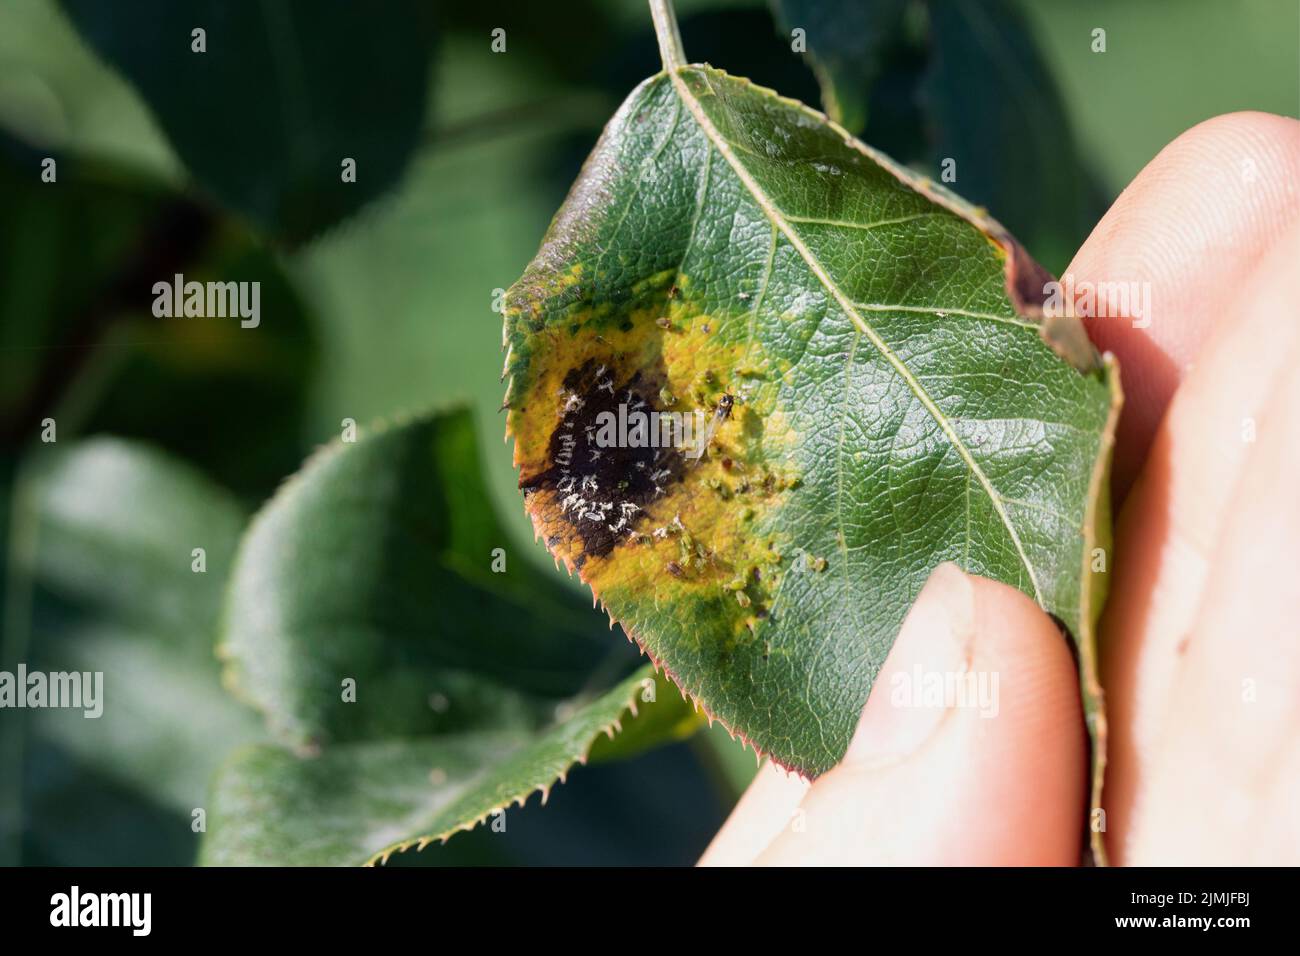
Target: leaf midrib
(847,305)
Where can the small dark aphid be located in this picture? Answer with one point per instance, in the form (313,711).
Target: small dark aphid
(673,568)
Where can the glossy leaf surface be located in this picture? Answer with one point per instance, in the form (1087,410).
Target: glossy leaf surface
(863,353)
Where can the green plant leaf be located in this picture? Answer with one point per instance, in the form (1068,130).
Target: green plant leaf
(113,526)
(994,122)
(845,41)
(896,405)
(282,93)
(375,564)
(452,235)
(359,803)
(988,85)
(79,267)
(380,569)
(59,96)
(59,253)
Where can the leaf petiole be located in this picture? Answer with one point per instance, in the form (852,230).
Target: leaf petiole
(666,32)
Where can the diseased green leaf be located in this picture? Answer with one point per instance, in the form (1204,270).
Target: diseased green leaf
(844,40)
(420,672)
(359,803)
(894,406)
(267,111)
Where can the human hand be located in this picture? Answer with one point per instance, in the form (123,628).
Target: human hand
(1200,645)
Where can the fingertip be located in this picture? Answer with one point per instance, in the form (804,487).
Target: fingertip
(971,749)
(762,813)
(1180,240)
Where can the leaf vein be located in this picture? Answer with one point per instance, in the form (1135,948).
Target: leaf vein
(819,271)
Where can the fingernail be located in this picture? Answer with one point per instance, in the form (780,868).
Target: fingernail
(934,644)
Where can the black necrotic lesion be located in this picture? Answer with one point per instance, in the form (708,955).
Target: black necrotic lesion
(602,491)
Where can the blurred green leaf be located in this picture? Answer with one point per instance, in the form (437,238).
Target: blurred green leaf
(55,94)
(380,569)
(384,286)
(997,113)
(77,268)
(61,246)
(558,42)
(116,525)
(360,802)
(229,399)
(845,41)
(283,92)
(375,564)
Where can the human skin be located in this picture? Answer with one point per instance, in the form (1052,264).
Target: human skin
(1200,642)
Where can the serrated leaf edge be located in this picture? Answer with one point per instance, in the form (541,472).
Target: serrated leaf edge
(1021,274)
(519,799)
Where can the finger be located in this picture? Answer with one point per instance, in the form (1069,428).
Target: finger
(1187,232)
(1176,512)
(762,813)
(1225,781)
(970,750)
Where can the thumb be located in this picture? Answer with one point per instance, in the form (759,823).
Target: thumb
(970,750)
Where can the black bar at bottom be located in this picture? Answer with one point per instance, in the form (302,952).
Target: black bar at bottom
(341,906)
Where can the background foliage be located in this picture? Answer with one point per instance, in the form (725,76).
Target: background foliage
(378,301)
